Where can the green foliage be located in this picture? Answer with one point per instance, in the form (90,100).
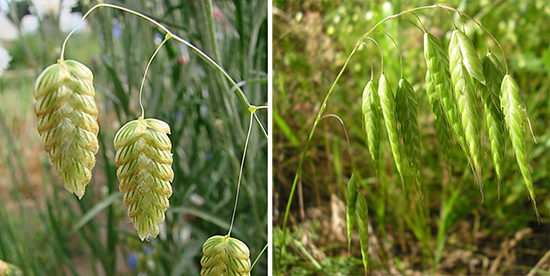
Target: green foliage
(208,125)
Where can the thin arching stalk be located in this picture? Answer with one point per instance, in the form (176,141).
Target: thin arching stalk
(242,95)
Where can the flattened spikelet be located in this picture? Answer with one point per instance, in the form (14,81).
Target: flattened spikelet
(67,121)
(471,60)
(515,118)
(363,221)
(406,105)
(144,172)
(372,117)
(223,255)
(492,69)
(350,206)
(387,103)
(437,64)
(465,95)
(442,128)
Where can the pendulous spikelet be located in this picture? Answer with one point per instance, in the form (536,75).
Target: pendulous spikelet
(465,94)
(372,116)
(144,170)
(223,255)
(67,121)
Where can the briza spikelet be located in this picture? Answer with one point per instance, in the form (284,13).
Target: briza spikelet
(223,255)
(144,170)
(67,121)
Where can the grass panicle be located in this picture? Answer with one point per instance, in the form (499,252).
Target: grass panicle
(407,116)
(515,117)
(465,94)
(387,103)
(144,171)
(371,118)
(350,206)
(363,221)
(67,121)
(494,73)
(223,255)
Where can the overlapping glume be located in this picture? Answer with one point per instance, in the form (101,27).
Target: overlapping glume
(67,121)
(144,170)
(223,255)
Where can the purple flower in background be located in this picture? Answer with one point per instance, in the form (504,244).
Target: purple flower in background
(147,250)
(116,30)
(132,260)
(158,38)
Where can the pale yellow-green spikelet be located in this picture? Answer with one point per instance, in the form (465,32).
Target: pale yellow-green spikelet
(225,256)
(67,121)
(144,172)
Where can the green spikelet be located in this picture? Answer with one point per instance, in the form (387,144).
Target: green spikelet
(407,112)
(67,121)
(387,103)
(223,255)
(350,206)
(515,117)
(372,117)
(144,170)
(437,64)
(442,128)
(471,60)
(492,69)
(7,269)
(465,95)
(363,221)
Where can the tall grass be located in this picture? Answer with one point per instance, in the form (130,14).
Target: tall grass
(414,236)
(208,122)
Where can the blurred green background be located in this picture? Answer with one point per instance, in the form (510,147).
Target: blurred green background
(47,231)
(454,232)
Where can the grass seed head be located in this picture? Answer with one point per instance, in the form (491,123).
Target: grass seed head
(472,63)
(407,116)
(465,94)
(437,65)
(387,103)
(493,71)
(67,121)
(144,172)
(223,255)
(372,117)
(516,118)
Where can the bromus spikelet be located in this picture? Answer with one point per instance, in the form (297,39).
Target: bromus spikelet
(407,115)
(515,117)
(442,128)
(492,69)
(372,117)
(350,206)
(465,95)
(437,65)
(387,103)
(223,255)
(471,60)
(144,170)
(67,121)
